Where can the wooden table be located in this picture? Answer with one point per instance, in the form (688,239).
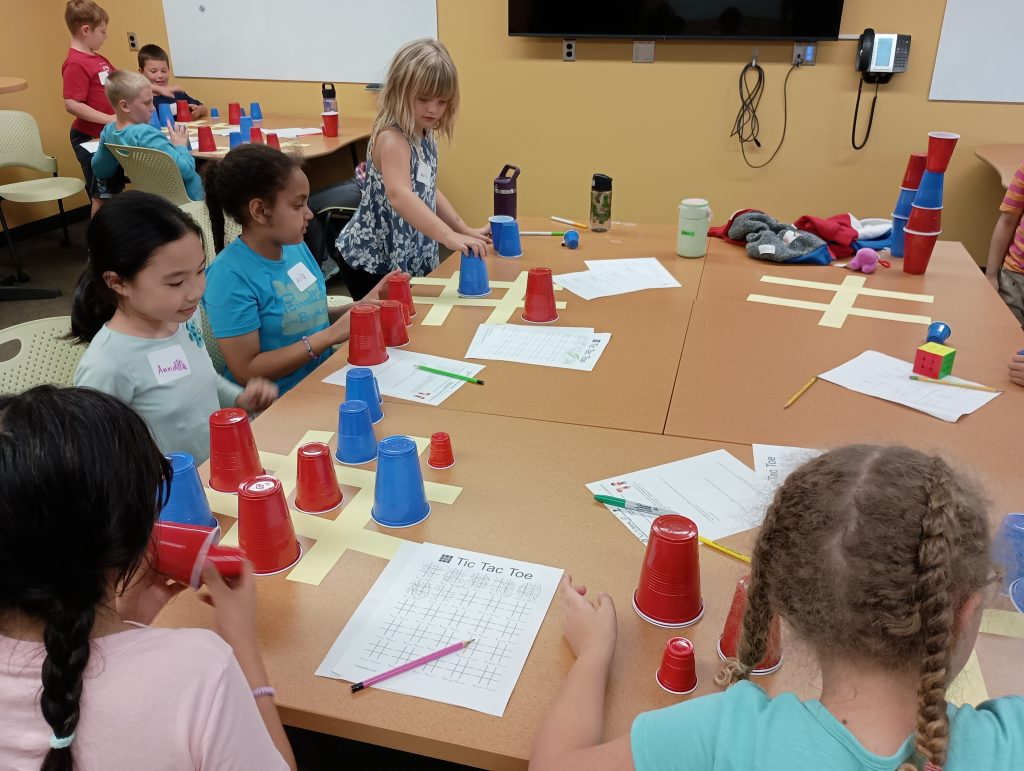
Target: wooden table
(352,129)
(1005,159)
(9,84)
(631,386)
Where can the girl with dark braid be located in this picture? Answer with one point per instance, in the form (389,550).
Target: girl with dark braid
(878,560)
(81,481)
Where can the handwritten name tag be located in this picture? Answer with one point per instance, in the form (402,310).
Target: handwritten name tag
(301,277)
(169,364)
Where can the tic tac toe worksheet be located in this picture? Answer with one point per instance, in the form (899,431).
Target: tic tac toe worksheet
(431,596)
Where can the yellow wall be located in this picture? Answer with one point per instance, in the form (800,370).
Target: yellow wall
(660,130)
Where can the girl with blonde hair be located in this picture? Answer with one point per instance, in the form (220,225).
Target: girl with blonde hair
(402,215)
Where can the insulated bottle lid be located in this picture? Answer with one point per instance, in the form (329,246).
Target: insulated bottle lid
(601,182)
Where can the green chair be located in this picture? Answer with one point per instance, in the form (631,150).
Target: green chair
(20,145)
(44,356)
(151,171)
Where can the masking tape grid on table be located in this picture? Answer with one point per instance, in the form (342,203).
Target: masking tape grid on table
(505,307)
(1007,623)
(969,686)
(331,537)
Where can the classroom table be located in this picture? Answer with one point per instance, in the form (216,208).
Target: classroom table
(1005,159)
(351,129)
(632,383)
(10,84)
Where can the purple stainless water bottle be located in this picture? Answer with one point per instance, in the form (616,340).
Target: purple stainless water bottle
(505,191)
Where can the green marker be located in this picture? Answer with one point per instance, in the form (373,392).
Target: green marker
(542,233)
(449,374)
(622,503)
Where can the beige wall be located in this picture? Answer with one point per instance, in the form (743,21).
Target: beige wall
(661,130)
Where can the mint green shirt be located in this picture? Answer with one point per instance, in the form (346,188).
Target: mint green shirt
(744,729)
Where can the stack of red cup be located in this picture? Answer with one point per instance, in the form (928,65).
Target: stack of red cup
(668,593)
(392,321)
(316,488)
(265,530)
(233,454)
(366,338)
(925,224)
(400,289)
(728,643)
(540,297)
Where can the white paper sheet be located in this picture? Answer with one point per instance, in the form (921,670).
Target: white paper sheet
(399,377)
(887,377)
(715,490)
(282,133)
(92,147)
(606,278)
(431,596)
(563,347)
(652,272)
(773,463)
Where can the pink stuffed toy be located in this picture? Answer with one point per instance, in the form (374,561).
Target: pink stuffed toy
(865,260)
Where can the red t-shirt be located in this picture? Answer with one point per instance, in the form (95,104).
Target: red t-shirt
(85,75)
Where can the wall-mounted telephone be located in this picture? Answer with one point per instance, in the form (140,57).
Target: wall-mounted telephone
(880,55)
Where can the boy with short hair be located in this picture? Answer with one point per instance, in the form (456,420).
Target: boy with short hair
(85,74)
(154,64)
(1005,268)
(131,96)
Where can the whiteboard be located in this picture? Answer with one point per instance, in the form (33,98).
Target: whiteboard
(340,41)
(979,52)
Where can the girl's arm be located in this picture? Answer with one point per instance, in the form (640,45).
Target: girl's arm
(244,359)
(373,297)
(392,155)
(571,734)
(451,218)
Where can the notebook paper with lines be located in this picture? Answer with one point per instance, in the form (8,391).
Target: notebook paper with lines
(431,596)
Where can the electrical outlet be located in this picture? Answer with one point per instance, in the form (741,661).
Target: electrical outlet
(568,50)
(133,41)
(643,51)
(805,54)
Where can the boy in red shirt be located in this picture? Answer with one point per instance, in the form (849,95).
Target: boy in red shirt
(85,76)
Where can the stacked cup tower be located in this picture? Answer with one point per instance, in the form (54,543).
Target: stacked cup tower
(922,210)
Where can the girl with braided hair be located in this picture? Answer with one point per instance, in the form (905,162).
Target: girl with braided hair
(878,560)
(81,481)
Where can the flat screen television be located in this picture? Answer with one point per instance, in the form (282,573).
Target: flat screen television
(677,19)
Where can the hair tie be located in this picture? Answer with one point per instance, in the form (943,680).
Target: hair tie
(61,742)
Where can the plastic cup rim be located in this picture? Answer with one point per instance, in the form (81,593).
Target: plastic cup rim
(943,135)
(353,463)
(440,468)
(531,321)
(322,511)
(920,233)
(665,624)
(373,516)
(286,567)
(696,682)
(755,672)
(461,294)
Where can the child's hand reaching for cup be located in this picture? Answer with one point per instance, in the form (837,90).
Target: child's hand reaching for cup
(259,394)
(589,629)
(1017,368)
(464,244)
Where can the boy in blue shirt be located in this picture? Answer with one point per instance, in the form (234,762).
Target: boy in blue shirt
(131,96)
(155,65)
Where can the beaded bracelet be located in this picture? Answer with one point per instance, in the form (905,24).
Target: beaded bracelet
(263,690)
(309,347)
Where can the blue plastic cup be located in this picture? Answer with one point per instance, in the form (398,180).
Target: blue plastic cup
(234,139)
(399,498)
(571,239)
(473,281)
(904,202)
(255,111)
(938,332)
(214,112)
(187,503)
(929,194)
(356,441)
(361,385)
(245,128)
(154,119)
(498,221)
(896,240)
(1008,549)
(1017,594)
(241,112)
(164,112)
(509,244)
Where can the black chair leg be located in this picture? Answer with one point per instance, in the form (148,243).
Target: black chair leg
(18,276)
(9,292)
(63,224)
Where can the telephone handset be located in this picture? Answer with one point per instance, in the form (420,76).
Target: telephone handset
(880,55)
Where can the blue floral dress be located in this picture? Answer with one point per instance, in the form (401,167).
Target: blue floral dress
(377,240)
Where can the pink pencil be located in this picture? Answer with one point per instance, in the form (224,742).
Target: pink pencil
(411,665)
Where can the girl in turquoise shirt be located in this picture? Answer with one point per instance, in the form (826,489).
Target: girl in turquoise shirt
(877,558)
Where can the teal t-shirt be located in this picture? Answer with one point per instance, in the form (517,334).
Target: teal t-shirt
(743,728)
(104,164)
(246,292)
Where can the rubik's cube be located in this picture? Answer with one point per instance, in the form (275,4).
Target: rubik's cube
(934,360)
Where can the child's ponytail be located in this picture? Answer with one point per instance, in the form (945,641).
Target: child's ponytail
(214,205)
(121,239)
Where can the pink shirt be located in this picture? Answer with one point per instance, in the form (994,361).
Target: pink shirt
(1013,202)
(158,699)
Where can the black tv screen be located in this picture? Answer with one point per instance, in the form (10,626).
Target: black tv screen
(681,19)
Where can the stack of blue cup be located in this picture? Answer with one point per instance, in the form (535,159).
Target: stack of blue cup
(509,244)
(1008,550)
(473,281)
(164,113)
(399,497)
(361,385)
(154,119)
(187,502)
(357,444)
(900,215)
(245,128)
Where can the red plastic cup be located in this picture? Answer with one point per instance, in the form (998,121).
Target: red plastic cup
(255,135)
(678,671)
(366,338)
(540,297)
(179,551)
(316,489)
(272,140)
(729,642)
(329,123)
(668,593)
(392,322)
(915,170)
(184,114)
(940,149)
(227,560)
(234,113)
(207,144)
(265,530)
(233,454)
(400,289)
(925,220)
(917,250)
(441,455)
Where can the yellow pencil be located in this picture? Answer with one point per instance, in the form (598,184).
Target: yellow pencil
(801,392)
(969,386)
(565,221)
(723,549)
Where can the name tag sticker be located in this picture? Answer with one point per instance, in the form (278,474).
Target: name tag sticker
(169,364)
(423,173)
(301,277)
(103,75)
